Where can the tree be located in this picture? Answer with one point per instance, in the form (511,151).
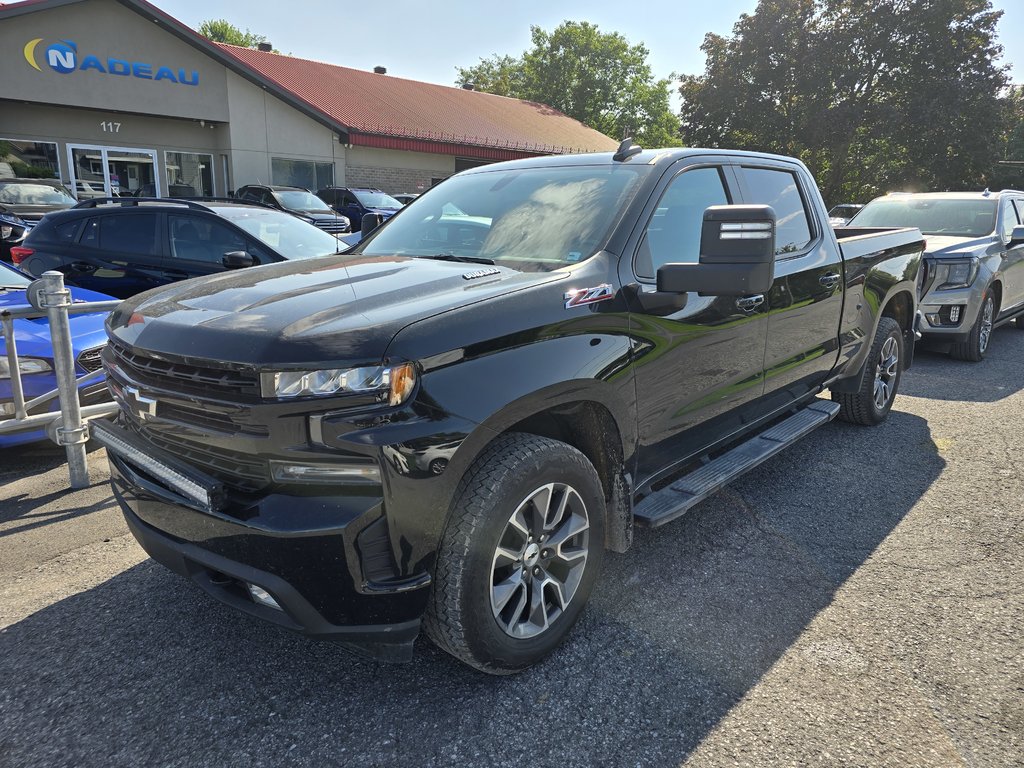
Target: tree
(223,31)
(872,96)
(597,78)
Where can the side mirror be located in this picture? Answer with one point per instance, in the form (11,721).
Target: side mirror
(737,254)
(1017,236)
(237,260)
(370,222)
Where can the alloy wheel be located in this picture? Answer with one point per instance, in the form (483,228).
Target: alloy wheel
(539,561)
(886,370)
(985,331)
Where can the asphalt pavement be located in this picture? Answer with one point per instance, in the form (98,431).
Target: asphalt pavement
(856,601)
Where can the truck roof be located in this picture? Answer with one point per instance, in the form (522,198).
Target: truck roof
(644,157)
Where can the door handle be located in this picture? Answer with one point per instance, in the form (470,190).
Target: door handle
(831,280)
(748,303)
(82,266)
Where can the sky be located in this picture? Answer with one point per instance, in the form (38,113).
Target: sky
(427,40)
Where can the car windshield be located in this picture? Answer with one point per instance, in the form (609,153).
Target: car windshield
(24,193)
(302,201)
(932,215)
(290,237)
(376,199)
(533,219)
(11,278)
(844,211)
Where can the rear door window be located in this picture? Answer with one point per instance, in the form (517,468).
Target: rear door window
(132,233)
(780,189)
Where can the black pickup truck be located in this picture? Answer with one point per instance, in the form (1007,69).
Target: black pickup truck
(446,427)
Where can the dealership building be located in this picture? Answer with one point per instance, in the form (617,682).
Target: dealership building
(117,97)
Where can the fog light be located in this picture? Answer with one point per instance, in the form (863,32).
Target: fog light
(954,314)
(261,596)
(934,319)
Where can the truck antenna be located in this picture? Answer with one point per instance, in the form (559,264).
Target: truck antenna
(626,150)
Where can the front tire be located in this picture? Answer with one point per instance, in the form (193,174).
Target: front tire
(519,555)
(973,350)
(880,379)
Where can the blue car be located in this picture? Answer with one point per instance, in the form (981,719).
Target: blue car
(35,353)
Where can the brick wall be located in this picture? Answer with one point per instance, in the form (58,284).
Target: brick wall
(391,180)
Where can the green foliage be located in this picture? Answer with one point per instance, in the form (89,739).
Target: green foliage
(223,31)
(891,94)
(595,77)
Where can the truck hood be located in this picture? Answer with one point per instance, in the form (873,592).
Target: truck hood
(322,311)
(942,245)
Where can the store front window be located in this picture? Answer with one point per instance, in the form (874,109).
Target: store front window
(301,173)
(28,159)
(189,174)
(113,172)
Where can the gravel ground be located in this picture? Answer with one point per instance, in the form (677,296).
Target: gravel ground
(856,601)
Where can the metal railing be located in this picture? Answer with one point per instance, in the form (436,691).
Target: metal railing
(69,426)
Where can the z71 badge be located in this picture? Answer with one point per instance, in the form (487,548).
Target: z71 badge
(577,297)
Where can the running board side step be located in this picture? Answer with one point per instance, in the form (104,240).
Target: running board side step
(675,500)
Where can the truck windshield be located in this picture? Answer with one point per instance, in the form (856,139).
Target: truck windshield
(932,215)
(376,200)
(535,219)
(302,201)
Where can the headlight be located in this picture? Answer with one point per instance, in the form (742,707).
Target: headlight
(5,231)
(955,274)
(392,384)
(27,366)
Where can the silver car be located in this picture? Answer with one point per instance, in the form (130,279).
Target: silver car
(975,261)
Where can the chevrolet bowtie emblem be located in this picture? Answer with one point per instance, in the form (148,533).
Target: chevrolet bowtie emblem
(144,407)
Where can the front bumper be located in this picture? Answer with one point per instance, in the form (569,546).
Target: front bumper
(315,555)
(937,306)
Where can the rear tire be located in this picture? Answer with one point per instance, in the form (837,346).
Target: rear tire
(880,379)
(973,350)
(519,555)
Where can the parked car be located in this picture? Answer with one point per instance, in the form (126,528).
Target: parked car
(127,245)
(300,202)
(840,214)
(31,199)
(13,231)
(35,354)
(174,190)
(974,257)
(356,202)
(405,198)
(415,435)
(89,190)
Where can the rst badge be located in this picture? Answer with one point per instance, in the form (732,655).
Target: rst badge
(577,297)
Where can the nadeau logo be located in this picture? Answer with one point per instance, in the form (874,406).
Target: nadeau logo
(63,57)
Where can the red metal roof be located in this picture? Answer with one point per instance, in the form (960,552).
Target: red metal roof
(419,115)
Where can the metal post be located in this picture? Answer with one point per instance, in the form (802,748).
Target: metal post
(53,297)
(17,392)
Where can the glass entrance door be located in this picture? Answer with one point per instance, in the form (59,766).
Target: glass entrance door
(113,172)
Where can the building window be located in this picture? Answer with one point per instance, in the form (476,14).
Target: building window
(189,174)
(301,173)
(28,159)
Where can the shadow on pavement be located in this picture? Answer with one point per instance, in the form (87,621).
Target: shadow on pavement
(146,669)
(935,375)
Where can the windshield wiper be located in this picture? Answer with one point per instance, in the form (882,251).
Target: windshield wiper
(465,259)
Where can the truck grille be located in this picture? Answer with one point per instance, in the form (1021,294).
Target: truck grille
(206,381)
(90,359)
(238,471)
(337,227)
